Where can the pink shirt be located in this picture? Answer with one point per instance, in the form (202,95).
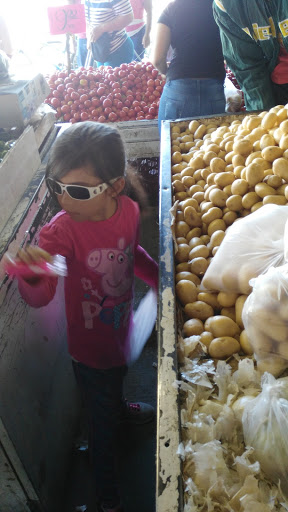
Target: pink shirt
(101,258)
(138,21)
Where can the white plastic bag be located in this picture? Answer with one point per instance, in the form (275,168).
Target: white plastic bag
(250,246)
(143,323)
(265,428)
(233,97)
(265,319)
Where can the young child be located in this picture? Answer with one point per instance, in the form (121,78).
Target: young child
(97,231)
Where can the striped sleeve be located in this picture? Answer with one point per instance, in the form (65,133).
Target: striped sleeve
(122,7)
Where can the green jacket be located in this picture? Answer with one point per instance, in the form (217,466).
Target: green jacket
(250,31)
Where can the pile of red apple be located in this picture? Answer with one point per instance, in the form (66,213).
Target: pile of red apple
(105,94)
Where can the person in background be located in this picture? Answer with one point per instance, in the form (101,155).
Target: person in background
(5,40)
(139,30)
(195,75)
(97,231)
(255,47)
(81,49)
(111,16)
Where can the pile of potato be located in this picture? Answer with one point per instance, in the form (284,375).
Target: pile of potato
(221,171)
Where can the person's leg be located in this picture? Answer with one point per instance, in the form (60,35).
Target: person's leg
(124,54)
(179,99)
(81,52)
(102,394)
(191,98)
(137,39)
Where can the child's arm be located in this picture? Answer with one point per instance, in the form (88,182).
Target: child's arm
(53,240)
(145,267)
(37,291)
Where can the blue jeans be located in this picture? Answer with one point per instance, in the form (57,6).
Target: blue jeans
(188,97)
(137,39)
(82,53)
(122,55)
(102,394)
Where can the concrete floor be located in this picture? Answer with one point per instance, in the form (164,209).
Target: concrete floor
(137,444)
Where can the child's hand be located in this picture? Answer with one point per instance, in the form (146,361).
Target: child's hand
(25,264)
(33,254)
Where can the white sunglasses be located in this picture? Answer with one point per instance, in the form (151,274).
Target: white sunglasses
(78,192)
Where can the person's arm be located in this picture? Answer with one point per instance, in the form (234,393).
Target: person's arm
(145,267)
(245,58)
(148,8)
(111,26)
(36,290)
(53,239)
(39,293)
(161,47)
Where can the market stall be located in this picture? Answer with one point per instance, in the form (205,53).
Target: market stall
(214,351)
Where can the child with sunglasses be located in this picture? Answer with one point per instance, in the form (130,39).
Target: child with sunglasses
(97,231)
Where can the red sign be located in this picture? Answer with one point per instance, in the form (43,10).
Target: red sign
(67,19)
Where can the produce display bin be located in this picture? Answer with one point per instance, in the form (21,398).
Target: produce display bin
(169,491)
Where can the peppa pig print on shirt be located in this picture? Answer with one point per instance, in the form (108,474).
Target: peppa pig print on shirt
(115,268)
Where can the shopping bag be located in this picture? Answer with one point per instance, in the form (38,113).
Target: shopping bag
(251,245)
(265,319)
(101,48)
(265,426)
(143,323)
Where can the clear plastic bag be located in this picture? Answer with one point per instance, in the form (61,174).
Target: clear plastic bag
(56,267)
(265,427)
(143,323)
(250,246)
(265,319)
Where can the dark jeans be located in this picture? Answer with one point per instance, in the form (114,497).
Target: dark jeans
(103,399)
(280,93)
(137,39)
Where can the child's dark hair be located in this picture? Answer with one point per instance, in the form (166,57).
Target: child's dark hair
(98,145)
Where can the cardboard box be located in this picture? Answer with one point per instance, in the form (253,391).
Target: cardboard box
(19,101)
(16,171)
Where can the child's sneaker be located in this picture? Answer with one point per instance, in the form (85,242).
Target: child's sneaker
(138,413)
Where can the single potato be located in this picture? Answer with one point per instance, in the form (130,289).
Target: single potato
(223,347)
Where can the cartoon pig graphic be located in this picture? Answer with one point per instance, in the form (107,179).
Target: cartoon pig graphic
(116,267)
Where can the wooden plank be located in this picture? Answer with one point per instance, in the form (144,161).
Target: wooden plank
(15,468)
(133,131)
(146,150)
(168,483)
(12,497)
(43,127)
(16,171)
